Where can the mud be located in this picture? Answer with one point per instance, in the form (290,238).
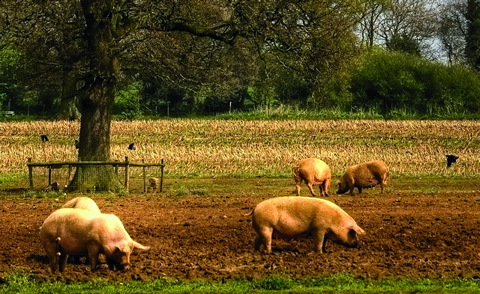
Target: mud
(408,235)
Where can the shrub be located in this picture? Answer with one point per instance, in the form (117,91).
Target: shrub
(392,81)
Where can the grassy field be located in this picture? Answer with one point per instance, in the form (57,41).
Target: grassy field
(21,283)
(236,148)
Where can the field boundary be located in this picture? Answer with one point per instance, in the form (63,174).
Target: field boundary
(115,164)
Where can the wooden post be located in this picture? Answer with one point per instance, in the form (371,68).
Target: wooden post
(49,175)
(30,173)
(144,178)
(69,174)
(161,176)
(127,177)
(116,168)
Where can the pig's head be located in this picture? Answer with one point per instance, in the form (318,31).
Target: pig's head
(119,256)
(348,236)
(342,186)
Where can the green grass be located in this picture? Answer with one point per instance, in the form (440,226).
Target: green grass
(19,282)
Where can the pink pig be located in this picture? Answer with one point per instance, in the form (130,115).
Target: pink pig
(70,231)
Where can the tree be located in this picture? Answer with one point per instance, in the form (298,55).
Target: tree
(405,25)
(452,30)
(369,24)
(472,42)
(89,47)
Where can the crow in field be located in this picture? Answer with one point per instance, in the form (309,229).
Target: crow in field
(451,159)
(44,138)
(131,147)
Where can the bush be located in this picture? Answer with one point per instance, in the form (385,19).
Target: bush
(393,81)
(127,102)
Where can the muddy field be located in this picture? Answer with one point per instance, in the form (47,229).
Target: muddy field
(208,237)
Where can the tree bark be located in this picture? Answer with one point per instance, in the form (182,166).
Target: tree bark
(96,100)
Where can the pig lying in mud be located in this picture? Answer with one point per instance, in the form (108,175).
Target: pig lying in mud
(364,175)
(314,172)
(82,203)
(70,231)
(289,217)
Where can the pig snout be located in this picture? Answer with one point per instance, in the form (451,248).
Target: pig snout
(342,188)
(351,244)
(353,239)
(119,264)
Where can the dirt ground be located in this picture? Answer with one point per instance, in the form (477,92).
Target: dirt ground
(208,237)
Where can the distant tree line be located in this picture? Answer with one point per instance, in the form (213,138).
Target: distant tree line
(207,57)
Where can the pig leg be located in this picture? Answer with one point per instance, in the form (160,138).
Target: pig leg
(310,187)
(320,240)
(298,189)
(265,234)
(320,188)
(258,243)
(62,259)
(93,251)
(326,184)
(383,182)
(51,250)
(351,190)
(298,182)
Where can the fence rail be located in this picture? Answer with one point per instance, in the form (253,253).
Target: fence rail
(114,164)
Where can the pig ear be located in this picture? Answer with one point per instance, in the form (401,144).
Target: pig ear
(122,248)
(140,246)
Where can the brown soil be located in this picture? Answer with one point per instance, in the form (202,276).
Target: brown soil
(208,237)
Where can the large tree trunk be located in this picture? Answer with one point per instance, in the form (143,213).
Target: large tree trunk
(94,142)
(96,100)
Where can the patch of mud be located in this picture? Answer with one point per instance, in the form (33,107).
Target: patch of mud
(210,238)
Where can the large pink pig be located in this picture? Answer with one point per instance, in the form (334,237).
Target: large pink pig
(70,231)
(289,217)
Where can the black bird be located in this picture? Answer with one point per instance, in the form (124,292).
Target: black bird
(131,147)
(77,144)
(44,138)
(451,159)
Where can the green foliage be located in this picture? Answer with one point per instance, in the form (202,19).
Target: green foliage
(292,89)
(275,283)
(43,194)
(391,81)
(405,44)
(20,282)
(10,68)
(127,101)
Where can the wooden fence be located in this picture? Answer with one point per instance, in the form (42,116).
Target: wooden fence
(114,164)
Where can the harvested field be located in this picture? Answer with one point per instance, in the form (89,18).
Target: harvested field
(409,234)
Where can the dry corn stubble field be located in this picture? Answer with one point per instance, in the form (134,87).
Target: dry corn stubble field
(420,228)
(221,148)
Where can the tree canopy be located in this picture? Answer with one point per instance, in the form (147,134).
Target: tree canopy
(87,49)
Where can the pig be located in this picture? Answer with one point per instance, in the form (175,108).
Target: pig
(364,175)
(289,217)
(71,231)
(82,203)
(154,185)
(314,172)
